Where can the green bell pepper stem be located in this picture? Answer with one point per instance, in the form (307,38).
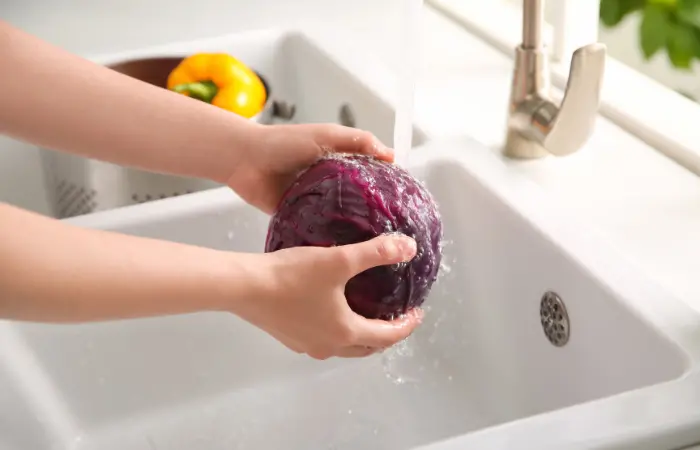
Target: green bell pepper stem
(201,90)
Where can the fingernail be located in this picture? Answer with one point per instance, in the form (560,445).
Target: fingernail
(382,150)
(412,315)
(406,247)
(418,313)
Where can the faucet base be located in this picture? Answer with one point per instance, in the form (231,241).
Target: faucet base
(518,146)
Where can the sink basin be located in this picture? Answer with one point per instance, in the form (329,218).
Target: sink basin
(615,367)
(481,362)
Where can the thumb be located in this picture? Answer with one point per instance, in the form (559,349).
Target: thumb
(383,250)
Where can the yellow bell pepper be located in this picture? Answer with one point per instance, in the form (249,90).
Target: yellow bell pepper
(221,80)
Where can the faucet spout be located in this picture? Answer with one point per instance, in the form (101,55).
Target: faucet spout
(537,126)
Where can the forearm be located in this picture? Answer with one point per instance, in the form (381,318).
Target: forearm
(51,271)
(48,95)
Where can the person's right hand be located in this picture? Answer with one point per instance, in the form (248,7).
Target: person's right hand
(303,304)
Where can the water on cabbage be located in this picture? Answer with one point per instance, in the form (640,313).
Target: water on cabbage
(348,199)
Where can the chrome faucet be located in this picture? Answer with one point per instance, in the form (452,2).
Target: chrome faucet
(536,125)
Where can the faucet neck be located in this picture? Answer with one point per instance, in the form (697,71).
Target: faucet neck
(533,20)
(537,126)
(531,75)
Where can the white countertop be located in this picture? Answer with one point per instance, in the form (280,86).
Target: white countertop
(648,206)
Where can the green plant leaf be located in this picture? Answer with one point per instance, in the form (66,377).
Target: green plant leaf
(681,46)
(688,12)
(613,11)
(654,29)
(667,3)
(697,43)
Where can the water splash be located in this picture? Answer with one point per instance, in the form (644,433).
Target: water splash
(433,337)
(445,268)
(392,358)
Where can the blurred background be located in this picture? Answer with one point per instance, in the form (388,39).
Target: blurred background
(659,38)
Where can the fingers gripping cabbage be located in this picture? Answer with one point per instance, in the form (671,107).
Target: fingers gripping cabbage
(349,199)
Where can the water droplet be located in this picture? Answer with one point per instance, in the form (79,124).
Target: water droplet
(445,267)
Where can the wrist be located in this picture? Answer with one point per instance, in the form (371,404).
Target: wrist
(244,175)
(250,285)
(232,149)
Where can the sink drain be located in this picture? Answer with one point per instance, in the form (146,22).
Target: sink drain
(554,319)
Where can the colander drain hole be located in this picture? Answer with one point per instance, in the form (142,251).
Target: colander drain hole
(143,198)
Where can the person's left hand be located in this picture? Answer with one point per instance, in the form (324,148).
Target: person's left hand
(279,152)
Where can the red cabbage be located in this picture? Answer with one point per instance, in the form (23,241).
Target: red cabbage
(349,199)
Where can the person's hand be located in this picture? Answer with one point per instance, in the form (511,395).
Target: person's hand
(303,304)
(278,153)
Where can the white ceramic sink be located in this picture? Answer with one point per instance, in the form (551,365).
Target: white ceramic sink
(479,373)
(480,359)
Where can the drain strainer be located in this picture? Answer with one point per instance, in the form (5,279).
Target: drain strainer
(554,319)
